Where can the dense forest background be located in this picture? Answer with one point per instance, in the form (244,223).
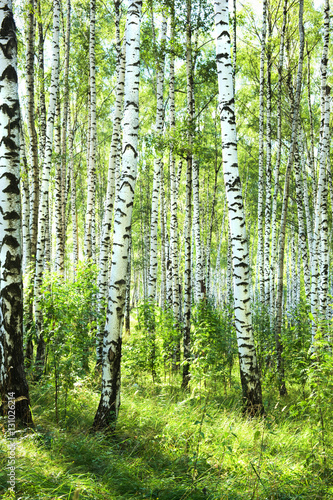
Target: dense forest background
(173,331)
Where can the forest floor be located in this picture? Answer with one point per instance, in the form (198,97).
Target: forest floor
(170,445)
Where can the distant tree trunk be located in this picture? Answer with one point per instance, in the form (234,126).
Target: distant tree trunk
(108,408)
(34,194)
(13,384)
(188,206)
(41,86)
(157,172)
(173,183)
(64,129)
(26,243)
(199,274)
(59,251)
(90,213)
(268,201)
(301,226)
(247,355)
(261,156)
(73,201)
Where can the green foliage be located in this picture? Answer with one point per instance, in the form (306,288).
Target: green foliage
(214,345)
(70,316)
(156,340)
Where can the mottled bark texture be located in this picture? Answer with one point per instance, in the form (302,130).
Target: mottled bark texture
(249,373)
(12,377)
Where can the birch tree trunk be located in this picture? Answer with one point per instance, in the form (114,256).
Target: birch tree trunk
(90,213)
(108,408)
(188,208)
(173,181)
(199,274)
(261,156)
(247,355)
(44,195)
(157,172)
(105,244)
(268,200)
(33,149)
(321,200)
(13,384)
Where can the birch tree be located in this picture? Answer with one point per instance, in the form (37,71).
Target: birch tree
(247,355)
(109,404)
(45,181)
(13,383)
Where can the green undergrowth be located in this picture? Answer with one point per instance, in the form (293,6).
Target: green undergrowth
(169,445)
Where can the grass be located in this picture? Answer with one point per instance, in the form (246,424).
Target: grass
(169,445)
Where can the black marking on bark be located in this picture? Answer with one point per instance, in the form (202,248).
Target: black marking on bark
(9,143)
(13,186)
(131,147)
(11,215)
(10,74)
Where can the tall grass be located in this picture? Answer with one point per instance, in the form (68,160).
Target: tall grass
(169,445)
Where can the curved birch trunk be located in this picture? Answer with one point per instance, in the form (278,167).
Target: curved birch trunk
(13,384)
(108,408)
(247,355)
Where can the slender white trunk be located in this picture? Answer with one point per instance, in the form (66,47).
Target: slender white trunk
(157,171)
(322,178)
(90,213)
(261,156)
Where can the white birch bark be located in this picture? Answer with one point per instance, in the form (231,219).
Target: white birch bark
(173,181)
(73,201)
(12,376)
(199,272)
(261,156)
(153,264)
(90,213)
(268,200)
(247,355)
(105,244)
(322,179)
(44,194)
(33,149)
(108,409)
(301,225)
